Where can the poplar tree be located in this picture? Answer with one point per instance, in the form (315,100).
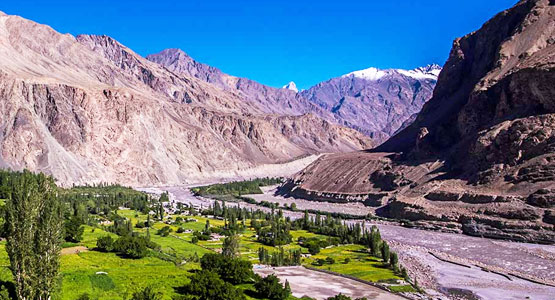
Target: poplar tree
(230,246)
(34,228)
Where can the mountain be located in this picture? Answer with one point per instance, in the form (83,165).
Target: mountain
(373,101)
(88,109)
(480,156)
(291,86)
(264,98)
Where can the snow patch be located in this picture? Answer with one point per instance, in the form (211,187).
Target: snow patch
(421,73)
(291,86)
(371,74)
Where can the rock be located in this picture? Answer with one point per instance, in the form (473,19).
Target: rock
(542,198)
(388,180)
(549,217)
(443,196)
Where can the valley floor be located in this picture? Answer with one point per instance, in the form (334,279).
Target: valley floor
(444,263)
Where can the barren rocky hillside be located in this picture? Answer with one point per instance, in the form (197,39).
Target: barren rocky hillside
(89,109)
(480,157)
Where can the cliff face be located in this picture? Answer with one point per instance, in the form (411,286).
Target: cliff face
(480,156)
(89,109)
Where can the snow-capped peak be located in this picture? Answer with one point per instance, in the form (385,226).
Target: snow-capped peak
(427,72)
(372,74)
(291,86)
(421,73)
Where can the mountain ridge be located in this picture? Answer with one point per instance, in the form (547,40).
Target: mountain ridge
(480,156)
(87,109)
(320,99)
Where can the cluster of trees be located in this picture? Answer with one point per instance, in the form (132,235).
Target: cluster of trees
(314,244)
(159,209)
(216,279)
(129,246)
(269,287)
(236,188)
(220,273)
(121,225)
(102,199)
(164,231)
(350,234)
(276,234)
(321,261)
(280,258)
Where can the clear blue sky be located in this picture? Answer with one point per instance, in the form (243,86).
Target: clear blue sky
(274,42)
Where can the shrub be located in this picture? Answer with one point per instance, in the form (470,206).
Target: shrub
(165,231)
(330,260)
(146,294)
(105,243)
(84,296)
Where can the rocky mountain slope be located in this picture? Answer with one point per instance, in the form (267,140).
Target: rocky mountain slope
(264,98)
(89,109)
(374,102)
(480,156)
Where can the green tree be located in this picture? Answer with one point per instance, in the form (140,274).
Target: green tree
(131,246)
(339,297)
(207,285)
(269,287)
(230,269)
(73,229)
(84,296)
(385,252)
(287,287)
(405,274)
(164,231)
(393,259)
(33,228)
(230,246)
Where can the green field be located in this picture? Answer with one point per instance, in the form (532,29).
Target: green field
(169,269)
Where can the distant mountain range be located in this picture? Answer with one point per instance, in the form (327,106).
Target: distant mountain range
(89,109)
(372,101)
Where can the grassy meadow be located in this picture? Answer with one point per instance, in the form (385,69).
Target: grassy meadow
(108,276)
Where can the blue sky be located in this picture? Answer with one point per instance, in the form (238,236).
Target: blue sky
(274,42)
